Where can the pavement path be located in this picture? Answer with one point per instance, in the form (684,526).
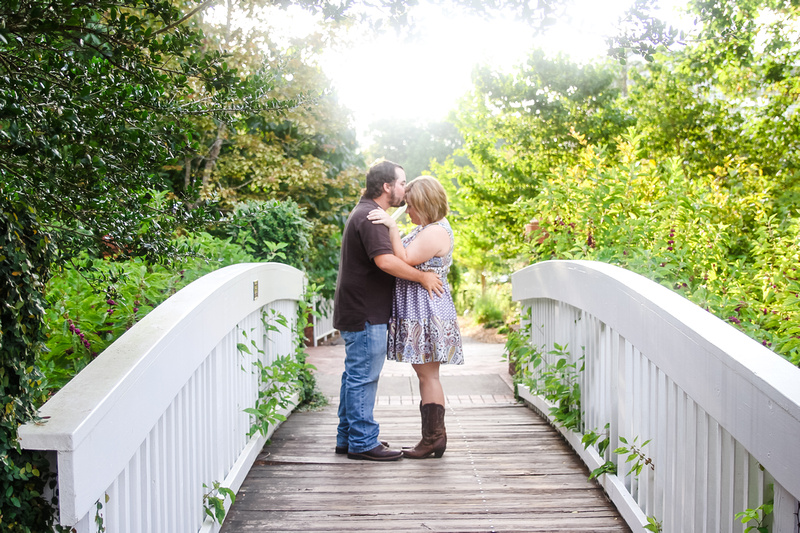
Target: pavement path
(482,379)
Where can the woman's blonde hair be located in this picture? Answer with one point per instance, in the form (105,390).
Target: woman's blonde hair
(428,197)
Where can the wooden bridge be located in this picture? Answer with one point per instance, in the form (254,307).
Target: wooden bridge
(299,484)
(146,432)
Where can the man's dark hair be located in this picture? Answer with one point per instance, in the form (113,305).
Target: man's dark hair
(377,175)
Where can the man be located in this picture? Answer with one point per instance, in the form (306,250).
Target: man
(362,308)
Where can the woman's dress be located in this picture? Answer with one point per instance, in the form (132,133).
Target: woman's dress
(424,329)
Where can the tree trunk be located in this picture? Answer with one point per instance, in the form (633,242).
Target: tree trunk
(211,159)
(187,172)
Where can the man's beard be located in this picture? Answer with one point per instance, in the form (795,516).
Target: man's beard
(394,201)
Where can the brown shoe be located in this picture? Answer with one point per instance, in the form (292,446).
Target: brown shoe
(378,453)
(341,450)
(434,435)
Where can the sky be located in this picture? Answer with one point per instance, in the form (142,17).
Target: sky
(434,72)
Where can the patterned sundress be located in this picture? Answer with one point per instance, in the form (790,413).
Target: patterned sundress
(425,330)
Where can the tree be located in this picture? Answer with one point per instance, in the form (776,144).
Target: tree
(96,101)
(517,128)
(728,92)
(305,152)
(414,145)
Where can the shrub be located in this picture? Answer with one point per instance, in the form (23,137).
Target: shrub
(95,301)
(715,239)
(258,226)
(24,253)
(489,305)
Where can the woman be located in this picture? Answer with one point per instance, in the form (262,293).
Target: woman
(424,330)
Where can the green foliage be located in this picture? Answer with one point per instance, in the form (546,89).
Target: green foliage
(310,396)
(601,440)
(632,449)
(557,382)
(682,169)
(278,379)
(758,515)
(713,238)
(516,128)
(271,229)
(488,303)
(413,145)
(642,33)
(94,301)
(98,99)
(609,467)
(635,455)
(307,153)
(487,313)
(287,373)
(518,350)
(98,514)
(653,525)
(25,252)
(214,501)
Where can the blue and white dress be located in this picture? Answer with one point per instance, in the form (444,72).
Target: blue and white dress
(424,329)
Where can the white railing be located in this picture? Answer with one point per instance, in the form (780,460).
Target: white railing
(721,412)
(159,414)
(323,321)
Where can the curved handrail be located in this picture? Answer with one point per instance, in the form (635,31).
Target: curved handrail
(651,337)
(106,413)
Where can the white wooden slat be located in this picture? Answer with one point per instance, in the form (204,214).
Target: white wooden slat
(713,497)
(159,468)
(702,460)
(690,447)
(651,386)
(740,461)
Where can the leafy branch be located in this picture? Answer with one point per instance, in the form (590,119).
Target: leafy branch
(758,515)
(635,455)
(214,501)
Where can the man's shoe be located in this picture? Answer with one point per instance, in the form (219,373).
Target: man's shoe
(341,450)
(378,453)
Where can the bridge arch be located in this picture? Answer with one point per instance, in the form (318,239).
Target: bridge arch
(720,411)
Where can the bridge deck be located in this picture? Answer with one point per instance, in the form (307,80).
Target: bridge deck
(505,468)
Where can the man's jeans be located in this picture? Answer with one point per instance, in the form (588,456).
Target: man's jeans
(365,354)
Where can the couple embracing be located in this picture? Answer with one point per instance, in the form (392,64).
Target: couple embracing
(393,301)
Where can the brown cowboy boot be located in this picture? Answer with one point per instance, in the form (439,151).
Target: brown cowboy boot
(434,437)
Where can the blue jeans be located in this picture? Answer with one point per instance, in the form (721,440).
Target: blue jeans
(365,354)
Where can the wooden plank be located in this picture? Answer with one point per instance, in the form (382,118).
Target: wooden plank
(505,469)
